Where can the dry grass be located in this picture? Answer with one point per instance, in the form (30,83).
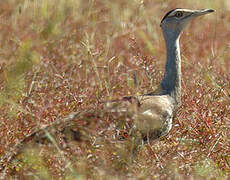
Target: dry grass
(62,56)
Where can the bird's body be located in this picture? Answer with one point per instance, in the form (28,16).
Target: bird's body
(153,113)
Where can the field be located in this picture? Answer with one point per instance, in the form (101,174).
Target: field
(64,56)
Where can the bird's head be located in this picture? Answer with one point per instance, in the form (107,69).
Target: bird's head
(176,20)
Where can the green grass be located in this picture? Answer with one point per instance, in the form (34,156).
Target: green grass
(57,57)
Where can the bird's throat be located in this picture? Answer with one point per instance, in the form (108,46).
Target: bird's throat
(171,84)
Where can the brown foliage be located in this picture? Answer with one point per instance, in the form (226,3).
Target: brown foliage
(59,57)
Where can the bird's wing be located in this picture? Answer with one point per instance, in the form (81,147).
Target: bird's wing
(152,114)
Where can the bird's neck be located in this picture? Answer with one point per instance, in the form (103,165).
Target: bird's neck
(171,83)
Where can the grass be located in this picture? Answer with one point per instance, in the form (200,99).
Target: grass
(57,57)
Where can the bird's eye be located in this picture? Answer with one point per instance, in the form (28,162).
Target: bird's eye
(179,14)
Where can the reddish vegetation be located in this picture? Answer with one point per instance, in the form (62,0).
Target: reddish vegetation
(60,57)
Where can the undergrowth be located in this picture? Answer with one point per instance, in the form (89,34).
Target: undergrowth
(58,57)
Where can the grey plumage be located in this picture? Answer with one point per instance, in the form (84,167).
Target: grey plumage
(172,27)
(153,113)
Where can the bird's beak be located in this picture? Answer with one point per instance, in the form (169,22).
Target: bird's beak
(202,12)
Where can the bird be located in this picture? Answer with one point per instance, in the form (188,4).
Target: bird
(153,113)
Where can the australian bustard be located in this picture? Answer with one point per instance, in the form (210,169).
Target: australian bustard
(153,113)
